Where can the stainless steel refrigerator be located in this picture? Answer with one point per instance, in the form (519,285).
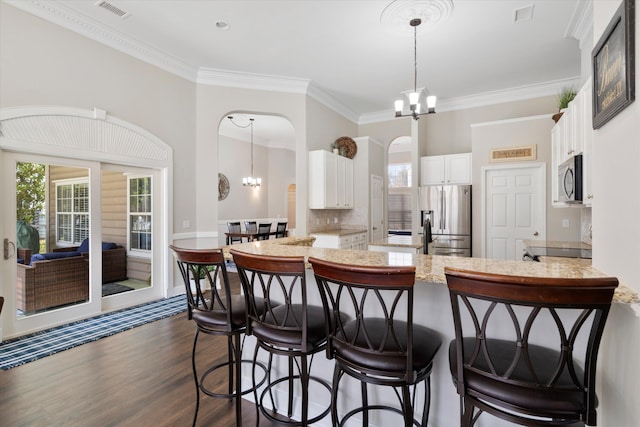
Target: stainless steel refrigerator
(446,210)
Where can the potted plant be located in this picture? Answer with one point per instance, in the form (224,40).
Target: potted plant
(564,98)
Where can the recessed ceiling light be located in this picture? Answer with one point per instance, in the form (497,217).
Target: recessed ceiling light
(221,25)
(523,14)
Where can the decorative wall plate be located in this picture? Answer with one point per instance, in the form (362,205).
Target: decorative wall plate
(349,145)
(223,187)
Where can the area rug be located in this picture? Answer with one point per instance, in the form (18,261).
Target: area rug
(114,288)
(28,348)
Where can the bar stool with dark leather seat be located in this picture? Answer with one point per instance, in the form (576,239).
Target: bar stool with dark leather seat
(525,348)
(381,345)
(287,326)
(215,312)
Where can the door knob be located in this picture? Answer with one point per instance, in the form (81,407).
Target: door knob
(535,233)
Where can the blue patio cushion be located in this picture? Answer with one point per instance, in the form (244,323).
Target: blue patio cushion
(52,255)
(84,246)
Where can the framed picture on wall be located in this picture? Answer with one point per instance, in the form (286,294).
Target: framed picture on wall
(613,66)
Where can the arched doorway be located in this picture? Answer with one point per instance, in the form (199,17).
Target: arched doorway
(274,161)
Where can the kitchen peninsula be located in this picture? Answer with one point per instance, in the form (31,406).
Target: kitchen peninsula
(432,305)
(430,268)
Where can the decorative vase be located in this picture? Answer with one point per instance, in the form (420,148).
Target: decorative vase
(557,116)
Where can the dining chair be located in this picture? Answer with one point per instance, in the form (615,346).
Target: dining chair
(263,231)
(251,226)
(281,230)
(234,227)
(497,360)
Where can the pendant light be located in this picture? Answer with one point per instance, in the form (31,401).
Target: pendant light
(414,97)
(249,181)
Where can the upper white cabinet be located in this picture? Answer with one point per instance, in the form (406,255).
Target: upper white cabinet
(330,181)
(447,169)
(573,134)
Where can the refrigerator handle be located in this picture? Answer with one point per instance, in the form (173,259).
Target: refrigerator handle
(440,208)
(444,210)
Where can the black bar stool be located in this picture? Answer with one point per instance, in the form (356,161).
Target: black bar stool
(283,324)
(381,345)
(516,375)
(215,312)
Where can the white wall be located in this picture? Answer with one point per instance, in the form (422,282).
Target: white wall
(616,243)
(44,64)
(522,132)
(235,163)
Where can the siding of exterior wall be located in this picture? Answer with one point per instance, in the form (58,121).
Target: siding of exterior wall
(114,220)
(57,173)
(114,207)
(114,213)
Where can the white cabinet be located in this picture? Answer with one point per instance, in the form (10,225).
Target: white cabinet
(356,240)
(330,181)
(587,143)
(573,134)
(448,169)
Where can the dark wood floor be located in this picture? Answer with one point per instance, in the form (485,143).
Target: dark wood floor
(140,377)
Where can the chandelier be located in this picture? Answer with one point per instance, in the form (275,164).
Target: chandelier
(250,180)
(414,97)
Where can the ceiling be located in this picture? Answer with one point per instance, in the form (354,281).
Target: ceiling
(342,49)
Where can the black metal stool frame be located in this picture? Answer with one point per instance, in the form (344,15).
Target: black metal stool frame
(282,328)
(517,379)
(382,349)
(214,316)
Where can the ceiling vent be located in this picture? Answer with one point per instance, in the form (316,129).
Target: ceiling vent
(113,9)
(523,13)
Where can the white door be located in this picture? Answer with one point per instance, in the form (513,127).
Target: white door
(514,209)
(377,209)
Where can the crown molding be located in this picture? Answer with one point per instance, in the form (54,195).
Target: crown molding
(332,103)
(58,14)
(581,25)
(520,93)
(217,77)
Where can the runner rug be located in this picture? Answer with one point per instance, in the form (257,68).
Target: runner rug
(25,349)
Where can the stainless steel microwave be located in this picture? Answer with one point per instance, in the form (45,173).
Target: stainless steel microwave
(570,180)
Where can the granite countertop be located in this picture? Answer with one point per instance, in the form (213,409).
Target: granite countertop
(430,268)
(338,231)
(400,241)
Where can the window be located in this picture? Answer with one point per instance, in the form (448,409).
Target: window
(139,213)
(72,212)
(399,214)
(399,199)
(400,175)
